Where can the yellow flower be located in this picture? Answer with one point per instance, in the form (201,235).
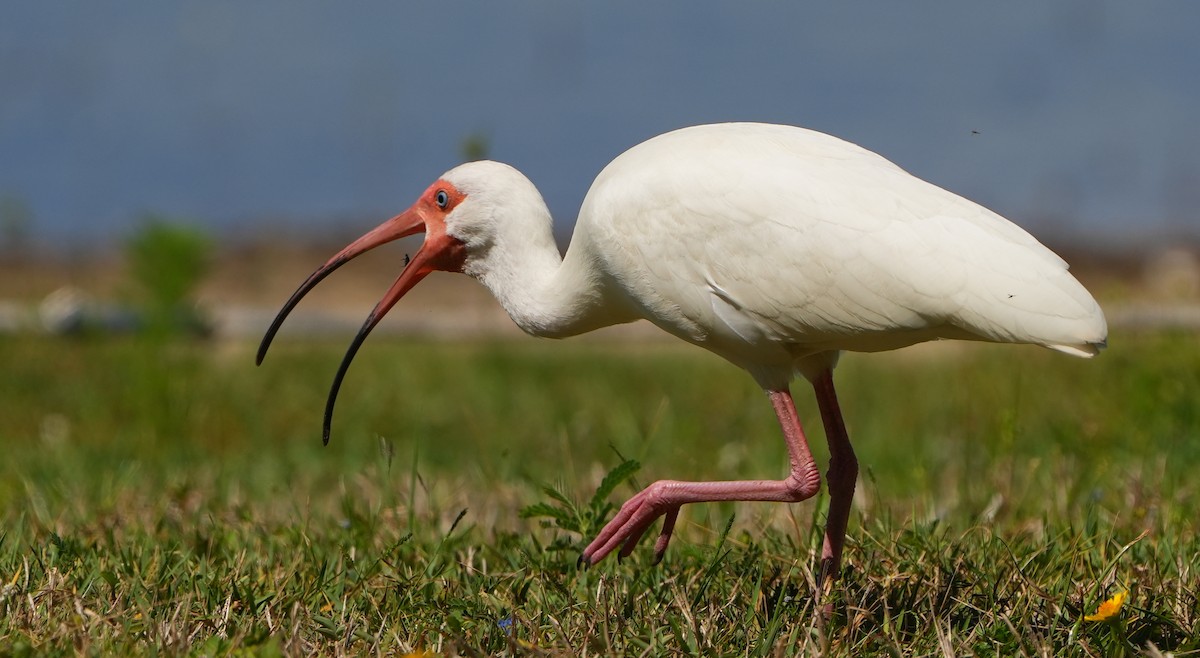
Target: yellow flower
(1109,608)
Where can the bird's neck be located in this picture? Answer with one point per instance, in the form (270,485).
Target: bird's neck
(544,293)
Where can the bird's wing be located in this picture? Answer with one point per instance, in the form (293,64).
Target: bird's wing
(803,239)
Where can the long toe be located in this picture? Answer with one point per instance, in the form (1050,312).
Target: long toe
(664,537)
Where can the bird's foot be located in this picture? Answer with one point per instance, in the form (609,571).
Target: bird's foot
(664,498)
(632,521)
(828,573)
(827,577)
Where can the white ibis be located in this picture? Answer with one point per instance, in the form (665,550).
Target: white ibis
(772,246)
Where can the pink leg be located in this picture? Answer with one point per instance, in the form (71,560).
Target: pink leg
(663,498)
(840,478)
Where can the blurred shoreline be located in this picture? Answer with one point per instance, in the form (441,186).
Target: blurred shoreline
(1143,288)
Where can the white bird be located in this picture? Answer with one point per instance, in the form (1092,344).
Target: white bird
(775,247)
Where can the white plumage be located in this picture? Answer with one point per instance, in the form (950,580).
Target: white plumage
(770,243)
(773,246)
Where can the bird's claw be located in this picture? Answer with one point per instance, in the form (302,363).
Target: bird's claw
(626,529)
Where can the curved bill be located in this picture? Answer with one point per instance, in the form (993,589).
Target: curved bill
(438,252)
(407,223)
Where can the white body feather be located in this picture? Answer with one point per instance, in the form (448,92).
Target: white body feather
(774,247)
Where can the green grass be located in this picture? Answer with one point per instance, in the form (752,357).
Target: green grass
(170,498)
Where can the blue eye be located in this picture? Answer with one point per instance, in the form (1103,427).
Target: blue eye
(442,199)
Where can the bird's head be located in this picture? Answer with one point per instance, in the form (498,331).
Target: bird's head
(457,214)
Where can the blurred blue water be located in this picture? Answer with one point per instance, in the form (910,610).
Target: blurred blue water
(1073,118)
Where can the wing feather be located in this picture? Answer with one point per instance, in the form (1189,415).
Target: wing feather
(745,233)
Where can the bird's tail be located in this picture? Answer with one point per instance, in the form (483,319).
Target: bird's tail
(1085,350)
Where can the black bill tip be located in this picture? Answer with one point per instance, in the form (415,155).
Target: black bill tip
(361,336)
(309,283)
